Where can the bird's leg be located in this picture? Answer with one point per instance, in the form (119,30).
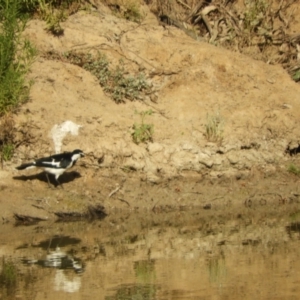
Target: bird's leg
(58,183)
(48,181)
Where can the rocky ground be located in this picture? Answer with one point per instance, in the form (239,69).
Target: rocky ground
(224,124)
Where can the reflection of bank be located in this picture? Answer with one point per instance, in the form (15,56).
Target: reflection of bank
(61,261)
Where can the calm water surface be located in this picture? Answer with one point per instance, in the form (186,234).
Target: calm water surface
(181,255)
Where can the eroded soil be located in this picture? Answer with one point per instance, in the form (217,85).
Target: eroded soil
(182,168)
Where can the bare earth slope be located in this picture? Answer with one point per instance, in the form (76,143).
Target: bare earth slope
(257,104)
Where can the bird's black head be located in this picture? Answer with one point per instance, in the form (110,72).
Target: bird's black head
(78,152)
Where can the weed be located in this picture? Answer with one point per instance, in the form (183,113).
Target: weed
(53,21)
(214,128)
(255,14)
(293,169)
(53,12)
(7,151)
(7,137)
(114,81)
(128,9)
(143,132)
(51,16)
(296,76)
(132,11)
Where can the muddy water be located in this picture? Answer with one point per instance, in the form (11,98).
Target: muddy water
(230,253)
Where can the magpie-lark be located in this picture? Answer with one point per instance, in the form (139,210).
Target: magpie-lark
(56,164)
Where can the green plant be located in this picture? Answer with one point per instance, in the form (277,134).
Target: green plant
(53,12)
(296,76)
(113,80)
(214,128)
(31,5)
(129,10)
(7,137)
(53,20)
(38,7)
(143,132)
(255,13)
(132,11)
(53,17)
(7,151)
(16,57)
(294,169)
(256,28)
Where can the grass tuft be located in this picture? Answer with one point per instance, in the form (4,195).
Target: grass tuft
(143,132)
(127,9)
(294,169)
(214,128)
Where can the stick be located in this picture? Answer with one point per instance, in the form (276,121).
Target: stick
(194,11)
(114,191)
(183,4)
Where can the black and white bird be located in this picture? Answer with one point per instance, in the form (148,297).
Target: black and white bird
(56,164)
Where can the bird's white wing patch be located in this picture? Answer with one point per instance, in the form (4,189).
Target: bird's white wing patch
(30,167)
(52,163)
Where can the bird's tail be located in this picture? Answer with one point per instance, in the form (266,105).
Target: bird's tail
(26,166)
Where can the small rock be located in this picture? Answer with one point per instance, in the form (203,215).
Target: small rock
(187,147)
(153,178)
(207,206)
(154,147)
(207,162)
(233,158)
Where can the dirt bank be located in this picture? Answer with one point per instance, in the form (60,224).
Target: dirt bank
(223,124)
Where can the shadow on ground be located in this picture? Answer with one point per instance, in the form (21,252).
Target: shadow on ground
(65,178)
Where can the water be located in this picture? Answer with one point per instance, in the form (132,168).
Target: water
(228,254)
